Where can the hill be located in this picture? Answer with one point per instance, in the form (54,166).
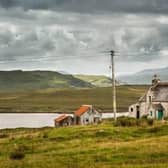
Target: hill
(96,80)
(68,100)
(145,76)
(97,146)
(30,80)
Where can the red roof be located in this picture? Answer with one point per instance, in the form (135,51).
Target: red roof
(83,109)
(61,118)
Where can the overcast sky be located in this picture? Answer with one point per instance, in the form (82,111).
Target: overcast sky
(71,35)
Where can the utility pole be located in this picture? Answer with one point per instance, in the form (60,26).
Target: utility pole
(113,84)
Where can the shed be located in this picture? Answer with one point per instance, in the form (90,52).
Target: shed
(63,120)
(87,114)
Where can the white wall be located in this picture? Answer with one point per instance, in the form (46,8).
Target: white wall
(87,118)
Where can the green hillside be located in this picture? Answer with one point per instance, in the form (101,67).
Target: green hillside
(30,80)
(68,100)
(97,146)
(96,80)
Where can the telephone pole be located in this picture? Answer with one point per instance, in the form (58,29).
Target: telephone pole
(113,84)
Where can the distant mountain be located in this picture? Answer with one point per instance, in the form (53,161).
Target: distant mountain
(145,76)
(96,80)
(30,80)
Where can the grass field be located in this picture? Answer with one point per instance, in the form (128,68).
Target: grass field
(68,100)
(102,146)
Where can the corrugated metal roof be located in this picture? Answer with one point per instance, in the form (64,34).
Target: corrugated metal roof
(83,109)
(61,118)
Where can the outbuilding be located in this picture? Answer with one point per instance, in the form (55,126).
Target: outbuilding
(87,114)
(63,121)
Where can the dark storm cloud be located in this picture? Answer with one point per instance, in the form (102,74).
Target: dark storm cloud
(47,30)
(92,6)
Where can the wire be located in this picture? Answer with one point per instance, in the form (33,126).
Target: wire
(85,54)
(40,59)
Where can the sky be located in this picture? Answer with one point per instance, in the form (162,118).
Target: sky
(74,36)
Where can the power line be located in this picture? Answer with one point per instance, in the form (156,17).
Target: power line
(41,59)
(88,53)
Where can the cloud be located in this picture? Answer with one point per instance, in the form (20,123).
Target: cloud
(70,31)
(92,6)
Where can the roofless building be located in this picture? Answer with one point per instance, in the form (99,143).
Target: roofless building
(154,103)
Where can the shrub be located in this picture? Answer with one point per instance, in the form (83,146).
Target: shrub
(3,135)
(18,153)
(45,135)
(145,117)
(166,118)
(150,121)
(130,122)
(125,122)
(102,133)
(142,122)
(155,130)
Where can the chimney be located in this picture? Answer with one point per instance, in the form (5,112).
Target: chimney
(155,80)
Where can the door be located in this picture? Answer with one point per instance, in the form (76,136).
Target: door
(78,120)
(138,115)
(160,114)
(137,112)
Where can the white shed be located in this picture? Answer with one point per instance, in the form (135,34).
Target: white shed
(86,114)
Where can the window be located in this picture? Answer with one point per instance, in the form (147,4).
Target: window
(137,108)
(90,112)
(150,99)
(151,113)
(132,109)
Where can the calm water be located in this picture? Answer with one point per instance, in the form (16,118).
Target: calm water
(31,120)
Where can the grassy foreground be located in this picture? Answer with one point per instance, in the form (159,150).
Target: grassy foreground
(68,100)
(102,146)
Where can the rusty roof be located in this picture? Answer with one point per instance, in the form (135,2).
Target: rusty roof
(61,118)
(83,109)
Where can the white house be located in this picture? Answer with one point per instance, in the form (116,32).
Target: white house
(154,103)
(87,114)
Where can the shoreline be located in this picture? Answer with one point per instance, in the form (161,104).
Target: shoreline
(37,120)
